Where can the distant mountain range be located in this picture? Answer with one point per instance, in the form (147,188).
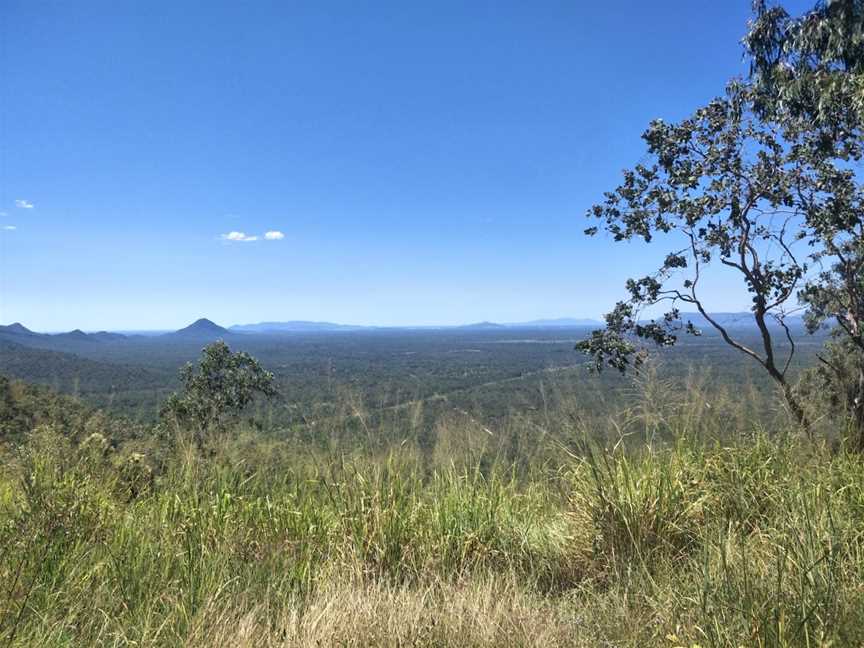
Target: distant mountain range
(298,326)
(18,330)
(303,326)
(561,322)
(738,321)
(205,329)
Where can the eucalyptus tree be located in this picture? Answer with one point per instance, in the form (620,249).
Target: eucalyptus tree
(765,182)
(808,72)
(217,391)
(718,189)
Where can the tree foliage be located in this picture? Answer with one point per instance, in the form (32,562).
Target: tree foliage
(811,66)
(218,390)
(721,187)
(764,181)
(809,73)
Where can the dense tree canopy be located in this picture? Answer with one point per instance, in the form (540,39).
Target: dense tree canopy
(812,65)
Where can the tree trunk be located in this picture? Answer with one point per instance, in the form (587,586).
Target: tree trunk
(857,407)
(795,407)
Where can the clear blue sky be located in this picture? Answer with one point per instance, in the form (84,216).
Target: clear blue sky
(426,163)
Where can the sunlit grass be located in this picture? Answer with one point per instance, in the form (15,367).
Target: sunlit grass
(660,526)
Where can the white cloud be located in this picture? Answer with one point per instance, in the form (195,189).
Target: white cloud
(243,237)
(23,204)
(8,228)
(238,236)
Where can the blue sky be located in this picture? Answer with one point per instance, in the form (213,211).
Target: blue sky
(425,163)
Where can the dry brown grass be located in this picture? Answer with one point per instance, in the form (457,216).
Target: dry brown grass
(476,613)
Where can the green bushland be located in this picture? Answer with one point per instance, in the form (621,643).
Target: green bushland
(675,521)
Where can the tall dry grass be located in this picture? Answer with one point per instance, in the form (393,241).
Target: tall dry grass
(672,522)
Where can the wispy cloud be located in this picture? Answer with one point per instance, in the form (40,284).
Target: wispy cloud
(23,204)
(239,237)
(243,237)
(8,228)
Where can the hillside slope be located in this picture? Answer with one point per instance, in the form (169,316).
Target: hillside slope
(70,373)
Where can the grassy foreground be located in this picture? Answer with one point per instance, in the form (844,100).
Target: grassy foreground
(755,540)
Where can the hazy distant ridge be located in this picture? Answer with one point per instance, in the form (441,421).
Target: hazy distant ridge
(310,326)
(207,329)
(18,332)
(295,325)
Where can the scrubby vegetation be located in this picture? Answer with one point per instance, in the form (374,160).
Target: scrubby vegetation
(671,522)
